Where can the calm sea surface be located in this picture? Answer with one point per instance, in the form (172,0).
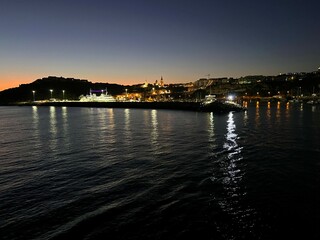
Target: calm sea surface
(94,173)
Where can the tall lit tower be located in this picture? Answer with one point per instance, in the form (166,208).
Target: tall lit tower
(161,82)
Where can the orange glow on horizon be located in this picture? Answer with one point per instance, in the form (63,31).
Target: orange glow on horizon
(14,81)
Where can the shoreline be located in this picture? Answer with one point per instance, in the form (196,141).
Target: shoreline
(216,107)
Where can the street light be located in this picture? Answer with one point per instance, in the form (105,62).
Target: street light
(51,92)
(33,93)
(63,94)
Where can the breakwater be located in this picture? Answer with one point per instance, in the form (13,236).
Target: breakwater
(217,107)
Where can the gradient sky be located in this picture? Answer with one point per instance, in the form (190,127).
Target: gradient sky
(133,41)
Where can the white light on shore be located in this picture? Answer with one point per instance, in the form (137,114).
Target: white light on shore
(230,97)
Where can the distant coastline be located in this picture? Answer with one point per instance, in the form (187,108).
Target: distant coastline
(284,87)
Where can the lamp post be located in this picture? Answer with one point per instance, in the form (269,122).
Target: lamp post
(63,94)
(33,94)
(126,94)
(51,92)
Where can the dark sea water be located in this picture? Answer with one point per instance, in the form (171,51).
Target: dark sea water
(94,173)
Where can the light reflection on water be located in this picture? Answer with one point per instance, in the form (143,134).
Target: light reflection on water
(268,112)
(65,123)
(101,124)
(35,125)
(145,118)
(53,129)
(111,126)
(127,119)
(127,126)
(278,113)
(232,174)
(211,133)
(287,105)
(101,114)
(110,113)
(231,136)
(257,117)
(53,121)
(287,112)
(35,114)
(35,118)
(154,130)
(245,118)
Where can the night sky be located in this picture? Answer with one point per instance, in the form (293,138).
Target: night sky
(133,41)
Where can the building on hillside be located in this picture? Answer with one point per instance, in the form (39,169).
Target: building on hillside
(159,84)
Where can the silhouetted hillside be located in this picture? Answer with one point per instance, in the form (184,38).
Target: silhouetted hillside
(73,88)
